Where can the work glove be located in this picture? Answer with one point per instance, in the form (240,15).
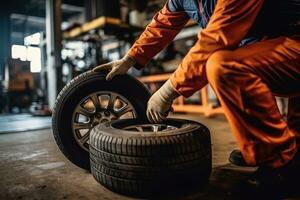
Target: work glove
(116,67)
(160,103)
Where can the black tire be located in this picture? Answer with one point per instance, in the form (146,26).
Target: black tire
(80,87)
(149,164)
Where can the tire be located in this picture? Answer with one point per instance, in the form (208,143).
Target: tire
(90,83)
(144,164)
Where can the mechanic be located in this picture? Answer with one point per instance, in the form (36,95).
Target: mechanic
(248,51)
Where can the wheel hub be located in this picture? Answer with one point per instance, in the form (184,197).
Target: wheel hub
(103,116)
(98,108)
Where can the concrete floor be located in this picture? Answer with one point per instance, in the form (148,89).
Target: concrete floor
(32,167)
(23,122)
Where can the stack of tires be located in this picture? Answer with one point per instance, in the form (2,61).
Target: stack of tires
(130,156)
(146,163)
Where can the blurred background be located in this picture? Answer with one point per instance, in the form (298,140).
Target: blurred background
(44,44)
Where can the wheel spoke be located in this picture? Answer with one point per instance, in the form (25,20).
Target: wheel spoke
(83,111)
(93,106)
(139,129)
(150,128)
(112,99)
(81,125)
(85,138)
(169,128)
(155,128)
(123,110)
(96,101)
(134,128)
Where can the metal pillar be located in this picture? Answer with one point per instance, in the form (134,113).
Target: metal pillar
(5,46)
(43,73)
(53,38)
(5,50)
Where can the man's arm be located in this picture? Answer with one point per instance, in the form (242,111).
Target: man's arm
(157,35)
(228,25)
(163,28)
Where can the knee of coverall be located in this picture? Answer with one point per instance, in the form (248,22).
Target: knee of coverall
(218,72)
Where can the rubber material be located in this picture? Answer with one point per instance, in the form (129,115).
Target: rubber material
(80,87)
(147,164)
(236,158)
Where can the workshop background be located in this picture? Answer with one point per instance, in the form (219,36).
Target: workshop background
(46,43)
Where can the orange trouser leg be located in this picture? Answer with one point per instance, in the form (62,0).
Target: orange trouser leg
(245,81)
(293,116)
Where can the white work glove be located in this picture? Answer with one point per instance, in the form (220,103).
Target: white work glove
(116,67)
(160,103)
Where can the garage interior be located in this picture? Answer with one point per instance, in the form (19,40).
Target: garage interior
(47,43)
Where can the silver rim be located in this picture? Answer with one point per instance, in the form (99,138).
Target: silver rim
(150,128)
(97,108)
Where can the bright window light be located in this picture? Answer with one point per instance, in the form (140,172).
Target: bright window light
(32,54)
(33,39)
(19,52)
(35,66)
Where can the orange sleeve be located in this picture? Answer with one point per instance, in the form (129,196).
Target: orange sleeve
(163,28)
(228,25)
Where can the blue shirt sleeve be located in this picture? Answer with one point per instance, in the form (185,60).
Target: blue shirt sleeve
(175,5)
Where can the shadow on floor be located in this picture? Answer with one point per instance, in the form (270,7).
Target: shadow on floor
(226,183)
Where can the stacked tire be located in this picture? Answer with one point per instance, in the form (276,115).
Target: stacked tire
(149,163)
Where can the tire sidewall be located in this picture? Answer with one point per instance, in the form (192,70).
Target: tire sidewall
(126,86)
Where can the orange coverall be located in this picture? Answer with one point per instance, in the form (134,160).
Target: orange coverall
(244,78)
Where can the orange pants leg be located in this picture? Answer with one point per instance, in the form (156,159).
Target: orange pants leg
(293,116)
(245,81)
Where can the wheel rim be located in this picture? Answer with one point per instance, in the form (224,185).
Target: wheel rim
(150,128)
(97,108)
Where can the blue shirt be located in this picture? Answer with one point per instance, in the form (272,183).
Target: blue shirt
(200,11)
(269,23)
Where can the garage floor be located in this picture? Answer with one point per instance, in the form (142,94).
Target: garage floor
(32,167)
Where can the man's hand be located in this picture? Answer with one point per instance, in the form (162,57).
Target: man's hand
(160,104)
(116,67)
